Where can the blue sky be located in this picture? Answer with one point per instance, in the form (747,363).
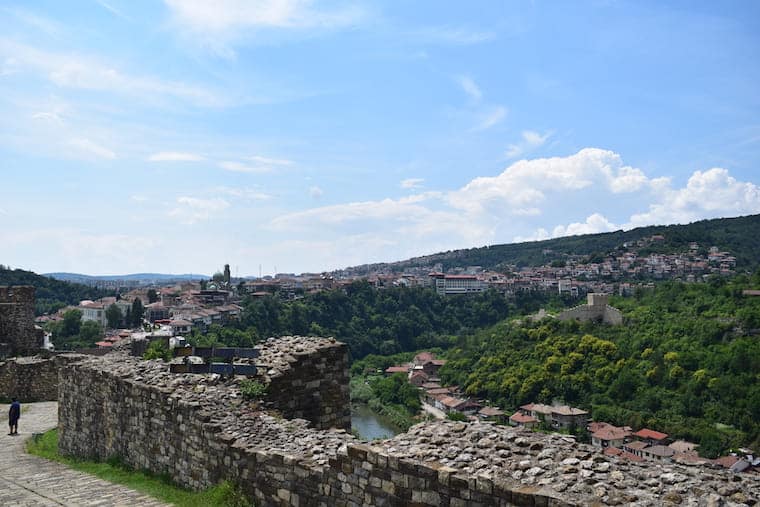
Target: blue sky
(177,136)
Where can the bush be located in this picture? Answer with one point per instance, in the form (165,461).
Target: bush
(456,416)
(252,389)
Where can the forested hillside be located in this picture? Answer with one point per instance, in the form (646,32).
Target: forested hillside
(373,321)
(740,236)
(686,361)
(50,294)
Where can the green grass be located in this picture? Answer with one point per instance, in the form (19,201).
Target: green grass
(157,486)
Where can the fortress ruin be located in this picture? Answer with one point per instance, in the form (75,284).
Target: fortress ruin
(597,309)
(18,335)
(292,447)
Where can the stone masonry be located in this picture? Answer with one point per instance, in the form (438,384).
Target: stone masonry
(596,309)
(17,332)
(199,430)
(33,378)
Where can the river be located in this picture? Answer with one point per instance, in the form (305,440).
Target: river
(370,425)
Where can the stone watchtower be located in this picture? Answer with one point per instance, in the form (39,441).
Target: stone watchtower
(17,332)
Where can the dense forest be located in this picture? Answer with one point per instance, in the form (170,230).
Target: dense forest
(50,295)
(686,361)
(386,321)
(740,236)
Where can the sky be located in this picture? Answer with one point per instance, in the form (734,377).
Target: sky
(305,136)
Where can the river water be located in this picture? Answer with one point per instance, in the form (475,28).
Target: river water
(370,425)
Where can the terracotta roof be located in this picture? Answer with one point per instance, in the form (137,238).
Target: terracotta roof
(104,344)
(537,407)
(397,369)
(660,450)
(637,446)
(610,433)
(490,412)
(438,390)
(726,461)
(424,357)
(520,418)
(566,410)
(683,446)
(651,434)
(451,402)
(611,451)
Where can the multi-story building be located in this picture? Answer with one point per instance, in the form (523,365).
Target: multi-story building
(456,284)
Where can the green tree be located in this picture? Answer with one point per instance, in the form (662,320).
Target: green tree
(152,296)
(72,322)
(90,332)
(137,312)
(113,316)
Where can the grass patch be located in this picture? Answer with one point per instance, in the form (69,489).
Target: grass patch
(157,486)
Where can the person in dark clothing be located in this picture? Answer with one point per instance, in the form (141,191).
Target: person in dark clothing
(13,416)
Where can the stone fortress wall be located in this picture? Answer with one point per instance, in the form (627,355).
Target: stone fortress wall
(596,309)
(199,430)
(32,378)
(17,332)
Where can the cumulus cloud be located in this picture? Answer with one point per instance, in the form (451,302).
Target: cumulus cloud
(712,193)
(175,156)
(411,183)
(530,140)
(530,200)
(315,192)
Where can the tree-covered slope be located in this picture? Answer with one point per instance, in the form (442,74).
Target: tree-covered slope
(740,236)
(50,294)
(686,361)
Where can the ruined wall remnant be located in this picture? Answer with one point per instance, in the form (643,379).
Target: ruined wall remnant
(32,378)
(199,430)
(308,385)
(17,333)
(596,309)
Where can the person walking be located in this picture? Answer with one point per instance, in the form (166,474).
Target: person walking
(13,416)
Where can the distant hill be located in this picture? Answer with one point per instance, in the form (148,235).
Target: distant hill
(740,236)
(134,277)
(50,294)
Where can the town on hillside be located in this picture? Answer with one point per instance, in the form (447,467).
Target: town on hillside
(643,445)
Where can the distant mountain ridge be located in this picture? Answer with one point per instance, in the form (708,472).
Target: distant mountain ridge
(82,278)
(740,236)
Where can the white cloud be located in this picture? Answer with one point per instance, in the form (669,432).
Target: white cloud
(411,183)
(88,147)
(250,194)
(239,167)
(470,88)
(73,70)
(190,210)
(48,116)
(458,36)
(530,140)
(492,117)
(270,161)
(223,22)
(707,194)
(175,156)
(315,192)
(594,223)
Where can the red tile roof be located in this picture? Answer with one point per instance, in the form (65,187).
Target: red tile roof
(397,369)
(650,434)
(520,418)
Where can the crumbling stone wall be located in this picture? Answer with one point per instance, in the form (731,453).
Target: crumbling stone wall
(308,380)
(32,378)
(17,333)
(199,430)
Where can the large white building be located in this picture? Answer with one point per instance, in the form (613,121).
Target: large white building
(456,284)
